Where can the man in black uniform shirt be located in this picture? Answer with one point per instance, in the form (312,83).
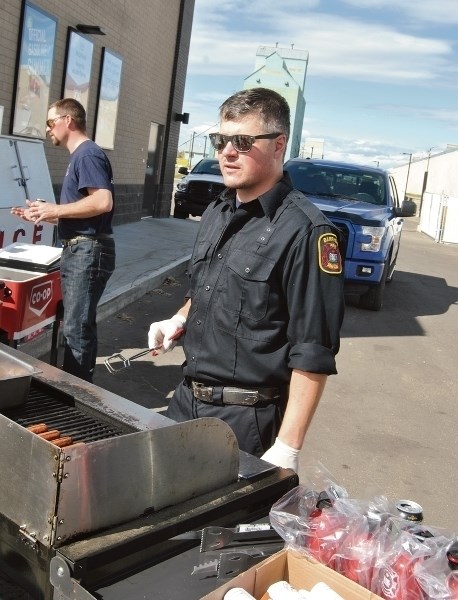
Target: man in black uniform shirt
(266,304)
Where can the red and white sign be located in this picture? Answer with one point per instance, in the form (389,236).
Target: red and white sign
(40,297)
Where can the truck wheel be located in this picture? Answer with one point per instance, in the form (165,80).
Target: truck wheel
(179,214)
(373,298)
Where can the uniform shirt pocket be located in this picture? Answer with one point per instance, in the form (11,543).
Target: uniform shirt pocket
(247,290)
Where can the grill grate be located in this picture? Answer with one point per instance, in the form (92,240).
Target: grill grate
(55,413)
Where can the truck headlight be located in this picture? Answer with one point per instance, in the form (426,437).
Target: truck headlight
(181,187)
(375,235)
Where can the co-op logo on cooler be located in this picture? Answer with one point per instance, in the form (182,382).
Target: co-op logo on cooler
(40,297)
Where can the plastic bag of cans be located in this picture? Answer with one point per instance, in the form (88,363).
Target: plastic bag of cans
(403,548)
(380,544)
(437,575)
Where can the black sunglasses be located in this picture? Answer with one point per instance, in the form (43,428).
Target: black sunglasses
(241,141)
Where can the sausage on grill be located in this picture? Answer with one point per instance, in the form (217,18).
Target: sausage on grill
(62,441)
(38,428)
(50,435)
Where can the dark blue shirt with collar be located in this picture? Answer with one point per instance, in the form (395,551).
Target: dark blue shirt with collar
(265,300)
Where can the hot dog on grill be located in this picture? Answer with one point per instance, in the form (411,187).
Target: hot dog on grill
(38,428)
(50,435)
(62,441)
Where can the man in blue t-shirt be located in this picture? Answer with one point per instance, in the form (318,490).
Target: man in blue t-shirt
(83,218)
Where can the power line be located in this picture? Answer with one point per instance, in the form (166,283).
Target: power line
(198,134)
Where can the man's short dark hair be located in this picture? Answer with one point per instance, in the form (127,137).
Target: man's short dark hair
(70,106)
(271,107)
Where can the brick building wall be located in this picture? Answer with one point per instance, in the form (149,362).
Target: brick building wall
(152,38)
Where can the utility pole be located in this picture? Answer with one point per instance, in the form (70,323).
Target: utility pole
(409,154)
(192,150)
(205,145)
(425,178)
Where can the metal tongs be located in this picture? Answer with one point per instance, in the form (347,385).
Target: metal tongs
(125,362)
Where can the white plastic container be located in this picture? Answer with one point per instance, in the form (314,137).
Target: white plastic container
(238,594)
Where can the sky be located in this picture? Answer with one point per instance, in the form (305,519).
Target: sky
(382,77)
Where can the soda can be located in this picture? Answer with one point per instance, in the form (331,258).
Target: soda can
(410,510)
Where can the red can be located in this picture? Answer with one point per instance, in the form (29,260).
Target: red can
(327,528)
(396,580)
(357,559)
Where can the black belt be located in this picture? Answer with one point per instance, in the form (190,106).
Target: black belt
(233,395)
(82,238)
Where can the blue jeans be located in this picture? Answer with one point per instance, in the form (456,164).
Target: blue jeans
(85,268)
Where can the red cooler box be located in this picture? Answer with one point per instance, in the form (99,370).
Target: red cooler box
(30,290)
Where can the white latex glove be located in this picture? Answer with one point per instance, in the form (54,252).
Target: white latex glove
(162,335)
(282,455)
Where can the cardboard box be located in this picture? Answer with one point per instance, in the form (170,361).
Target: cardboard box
(301,571)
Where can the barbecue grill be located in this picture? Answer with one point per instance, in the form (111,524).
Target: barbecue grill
(108,500)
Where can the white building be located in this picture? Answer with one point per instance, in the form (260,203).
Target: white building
(432,182)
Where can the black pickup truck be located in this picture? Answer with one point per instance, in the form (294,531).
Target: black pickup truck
(198,188)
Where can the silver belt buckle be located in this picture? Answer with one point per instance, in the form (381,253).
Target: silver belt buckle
(241,397)
(202,392)
(71,241)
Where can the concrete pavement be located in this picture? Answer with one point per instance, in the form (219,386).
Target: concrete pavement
(147,252)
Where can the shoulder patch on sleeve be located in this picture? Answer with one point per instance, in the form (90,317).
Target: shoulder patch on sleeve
(328,254)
